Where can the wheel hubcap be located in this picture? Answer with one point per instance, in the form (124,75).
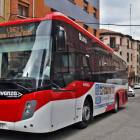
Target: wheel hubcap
(86,113)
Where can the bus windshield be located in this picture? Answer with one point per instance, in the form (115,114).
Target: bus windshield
(25,53)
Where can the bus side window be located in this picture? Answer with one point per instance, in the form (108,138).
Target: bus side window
(85,69)
(64,67)
(117,64)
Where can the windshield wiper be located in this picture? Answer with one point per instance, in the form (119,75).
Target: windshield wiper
(56,85)
(4,79)
(22,86)
(17,84)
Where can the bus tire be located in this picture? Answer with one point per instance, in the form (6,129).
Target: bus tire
(116,105)
(86,115)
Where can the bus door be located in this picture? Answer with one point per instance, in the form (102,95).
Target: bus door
(64,88)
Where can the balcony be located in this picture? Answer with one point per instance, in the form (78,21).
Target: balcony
(133,73)
(130,74)
(114,47)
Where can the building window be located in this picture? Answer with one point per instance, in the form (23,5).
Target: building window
(23,9)
(95,32)
(120,41)
(137,69)
(85,27)
(120,53)
(131,57)
(95,12)
(112,42)
(127,57)
(85,5)
(2,8)
(127,43)
(137,47)
(137,58)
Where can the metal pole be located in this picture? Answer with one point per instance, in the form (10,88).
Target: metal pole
(130,19)
(33,8)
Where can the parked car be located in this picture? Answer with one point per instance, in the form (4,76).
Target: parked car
(131,92)
(137,85)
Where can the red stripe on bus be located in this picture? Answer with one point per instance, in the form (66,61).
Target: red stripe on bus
(12,110)
(42,97)
(9,109)
(73,91)
(121,93)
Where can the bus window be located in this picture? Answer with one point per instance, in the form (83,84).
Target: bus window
(65,63)
(84,75)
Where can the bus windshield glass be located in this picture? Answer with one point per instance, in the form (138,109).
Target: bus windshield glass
(25,53)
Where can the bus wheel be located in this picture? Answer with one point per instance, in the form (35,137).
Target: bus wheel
(116,105)
(86,114)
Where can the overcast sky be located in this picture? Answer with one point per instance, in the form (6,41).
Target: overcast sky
(118,12)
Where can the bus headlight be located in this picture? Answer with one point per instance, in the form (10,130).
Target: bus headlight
(29,109)
(29,105)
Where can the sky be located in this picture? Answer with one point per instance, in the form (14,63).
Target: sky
(118,12)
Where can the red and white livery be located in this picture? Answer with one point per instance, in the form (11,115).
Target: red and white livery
(53,73)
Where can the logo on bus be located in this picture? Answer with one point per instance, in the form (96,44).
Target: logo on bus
(98,100)
(11,94)
(86,84)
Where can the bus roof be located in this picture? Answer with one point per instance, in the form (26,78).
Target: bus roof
(60,16)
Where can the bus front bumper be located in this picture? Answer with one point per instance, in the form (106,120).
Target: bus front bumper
(39,123)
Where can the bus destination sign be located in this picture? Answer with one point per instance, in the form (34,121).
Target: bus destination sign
(15,31)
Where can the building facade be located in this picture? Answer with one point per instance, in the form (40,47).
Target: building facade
(11,10)
(128,48)
(86,11)
(21,9)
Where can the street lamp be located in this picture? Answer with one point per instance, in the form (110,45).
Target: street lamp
(134,33)
(105,38)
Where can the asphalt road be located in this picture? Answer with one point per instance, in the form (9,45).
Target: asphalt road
(124,125)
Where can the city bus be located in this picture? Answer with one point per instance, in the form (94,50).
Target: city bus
(54,73)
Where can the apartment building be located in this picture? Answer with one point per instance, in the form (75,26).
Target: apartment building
(128,48)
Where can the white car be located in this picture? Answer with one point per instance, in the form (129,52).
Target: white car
(137,85)
(131,92)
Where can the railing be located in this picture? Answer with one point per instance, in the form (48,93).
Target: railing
(130,74)
(133,73)
(114,47)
